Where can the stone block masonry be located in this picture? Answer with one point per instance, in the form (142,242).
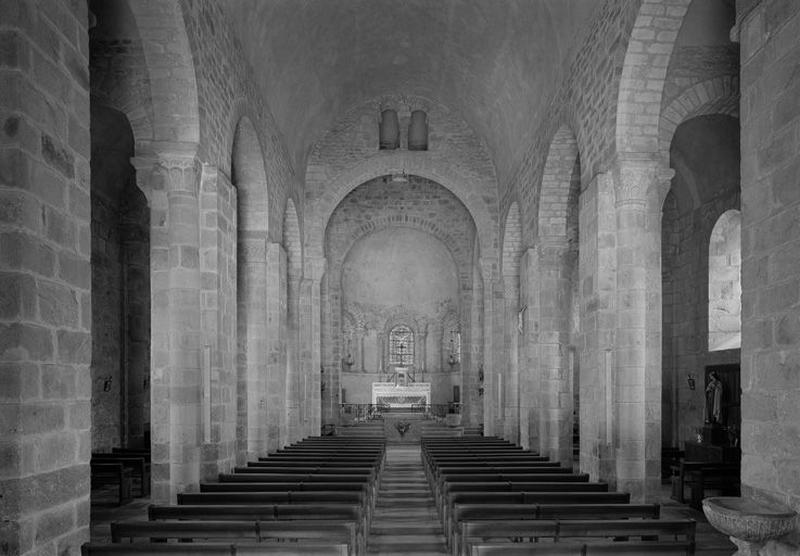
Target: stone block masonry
(45,304)
(770,136)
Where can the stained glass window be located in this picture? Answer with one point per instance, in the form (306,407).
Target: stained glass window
(401,346)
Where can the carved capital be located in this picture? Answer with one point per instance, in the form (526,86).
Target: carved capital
(166,167)
(639,178)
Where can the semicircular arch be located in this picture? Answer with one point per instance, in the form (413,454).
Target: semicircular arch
(249,176)
(339,188)
(170,66)
(713,96)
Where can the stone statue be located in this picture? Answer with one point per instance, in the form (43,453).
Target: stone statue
(713,398)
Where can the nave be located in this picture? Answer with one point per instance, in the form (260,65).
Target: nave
(358,495)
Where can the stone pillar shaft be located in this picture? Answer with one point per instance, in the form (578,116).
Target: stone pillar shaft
(597,289)
(551,312)
(638,339)
(511,350)
(170,179)
(311,405)
(492,332)
(315,271)
(252,430)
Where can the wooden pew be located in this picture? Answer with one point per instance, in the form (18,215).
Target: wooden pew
(361,487)
(573,498)
(283,497)
(674,548)
(508,486)
(113,473)
(188,549)
(697,472)
(307,469)
(139,465)
(263,512)
(507,512)
(723,477)
(243,531)
(477,478)
(512,474)
(302,478)
(481,531)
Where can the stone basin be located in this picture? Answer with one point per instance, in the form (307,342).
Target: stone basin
(748,519)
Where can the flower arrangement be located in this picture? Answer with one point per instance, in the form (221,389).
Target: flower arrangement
(402,427)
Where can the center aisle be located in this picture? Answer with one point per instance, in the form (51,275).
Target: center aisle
(405,519)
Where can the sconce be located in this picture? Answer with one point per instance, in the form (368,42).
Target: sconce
(107,383)
(321,380)
(690,380)
(480,375)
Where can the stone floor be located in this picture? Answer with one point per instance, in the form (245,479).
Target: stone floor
(405,520)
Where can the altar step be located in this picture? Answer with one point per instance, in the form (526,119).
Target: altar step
(436,429)
(367,428)
(405,520)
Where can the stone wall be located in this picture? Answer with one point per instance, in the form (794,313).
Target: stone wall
(107,320)
(226,90)
(705,155)
(770,50)
(348,156)
(45,299)
(217,261)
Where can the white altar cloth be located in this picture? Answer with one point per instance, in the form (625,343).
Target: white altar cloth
(393,395)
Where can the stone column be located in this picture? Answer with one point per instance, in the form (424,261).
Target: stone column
(511,348)
(770,353)
(295,393)
(218,265)
(492,338)
(277,406)
(638,339)
(529,373)
(252,348)
(311,422)
(471,367)
(314,271)
(169,176)
(45,282)
(597,286)
(553,309)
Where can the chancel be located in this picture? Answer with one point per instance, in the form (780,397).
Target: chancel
(399,277)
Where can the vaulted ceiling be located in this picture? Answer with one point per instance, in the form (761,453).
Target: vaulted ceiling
(494,61)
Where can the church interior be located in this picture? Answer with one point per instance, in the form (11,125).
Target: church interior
(399,236)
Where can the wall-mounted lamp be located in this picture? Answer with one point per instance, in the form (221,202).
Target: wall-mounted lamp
(480,374)
(321,380)
(690,380)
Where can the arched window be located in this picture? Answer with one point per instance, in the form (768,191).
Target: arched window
(401,346)
(418,131)
(725,283)
(389,131)
(454,348)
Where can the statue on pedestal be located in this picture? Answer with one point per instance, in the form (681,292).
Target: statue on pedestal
(714,390)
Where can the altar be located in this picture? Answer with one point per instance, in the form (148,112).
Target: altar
(399,396)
